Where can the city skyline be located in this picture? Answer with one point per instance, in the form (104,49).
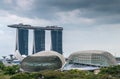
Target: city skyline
(88,25)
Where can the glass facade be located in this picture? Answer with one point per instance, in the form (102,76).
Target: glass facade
(22,41)
(89,60)
(39,63)
(39,41)
(97,59)
(56,39)
(73,65)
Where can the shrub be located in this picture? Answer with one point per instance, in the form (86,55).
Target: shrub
(10,70)
(106,73)
(21,76)
(52,74)
(27,75)
(1,66)
(72,74)
(113,71)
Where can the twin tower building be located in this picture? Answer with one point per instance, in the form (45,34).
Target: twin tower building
(22,34)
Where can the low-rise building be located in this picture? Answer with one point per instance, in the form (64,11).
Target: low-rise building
(45,60)
(89,60)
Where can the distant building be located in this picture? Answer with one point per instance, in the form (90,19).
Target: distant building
(89,60)
(45,60)
(22,41)
(118,60)
(10,61)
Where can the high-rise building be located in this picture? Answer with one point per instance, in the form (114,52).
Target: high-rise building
(22,41)
(56,40)
(38,41)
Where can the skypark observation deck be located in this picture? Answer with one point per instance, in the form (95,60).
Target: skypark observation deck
(35,27)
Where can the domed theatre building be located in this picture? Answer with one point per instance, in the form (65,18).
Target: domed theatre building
(45,60)
(89,60)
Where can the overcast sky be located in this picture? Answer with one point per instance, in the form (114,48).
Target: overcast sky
(88,24)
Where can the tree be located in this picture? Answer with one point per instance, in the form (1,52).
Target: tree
(11,69)
(113,71)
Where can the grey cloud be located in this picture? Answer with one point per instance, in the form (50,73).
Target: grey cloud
(48,8)
(98,6)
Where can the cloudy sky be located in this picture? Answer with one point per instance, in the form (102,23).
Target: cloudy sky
(88,24)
